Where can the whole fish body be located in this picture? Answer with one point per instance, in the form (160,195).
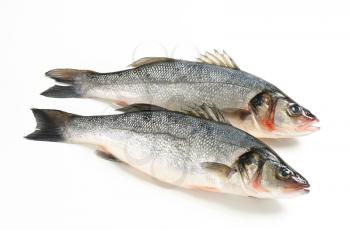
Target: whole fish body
(247,102)
(177,84)
(178,149)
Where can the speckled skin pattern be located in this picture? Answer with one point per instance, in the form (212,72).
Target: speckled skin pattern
(169,146)
(175,85)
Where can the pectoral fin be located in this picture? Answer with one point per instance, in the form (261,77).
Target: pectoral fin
(107,156)
(140,107)
(218,168)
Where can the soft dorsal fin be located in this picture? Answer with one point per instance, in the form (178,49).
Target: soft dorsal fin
(206,112)
(149,60)
(203,111)
(216,58)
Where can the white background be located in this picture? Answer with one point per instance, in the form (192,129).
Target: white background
(302,47)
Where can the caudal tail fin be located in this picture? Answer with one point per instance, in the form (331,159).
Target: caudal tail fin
(73,79)
(50,125)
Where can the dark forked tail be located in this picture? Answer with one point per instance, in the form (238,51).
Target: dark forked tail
(50,125)
(73,79)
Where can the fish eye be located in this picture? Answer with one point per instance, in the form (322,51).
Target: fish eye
(248,161)
(284,173)
(294,110)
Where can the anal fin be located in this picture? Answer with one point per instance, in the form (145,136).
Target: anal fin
(121,103)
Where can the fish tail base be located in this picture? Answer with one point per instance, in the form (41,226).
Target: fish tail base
(50,125)
(68,75)
(73,79)
(59,91)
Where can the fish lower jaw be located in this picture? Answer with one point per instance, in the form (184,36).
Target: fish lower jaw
(308,128)
(290,192)
(312,128)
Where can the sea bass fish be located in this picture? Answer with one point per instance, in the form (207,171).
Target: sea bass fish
(246,101)
(178,149)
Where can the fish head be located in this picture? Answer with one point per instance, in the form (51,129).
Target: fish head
(280,116)
(265,175)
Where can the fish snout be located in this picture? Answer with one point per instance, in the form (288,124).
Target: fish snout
(307,122)
(310,116)
(297,183)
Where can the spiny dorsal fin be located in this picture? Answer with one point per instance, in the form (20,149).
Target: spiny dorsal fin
(149,60)
(206,112)
(216,58)
(140,107)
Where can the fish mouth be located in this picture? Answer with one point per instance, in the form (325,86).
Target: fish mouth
(297,190)
(305,189)
(309,126)
(298,187)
